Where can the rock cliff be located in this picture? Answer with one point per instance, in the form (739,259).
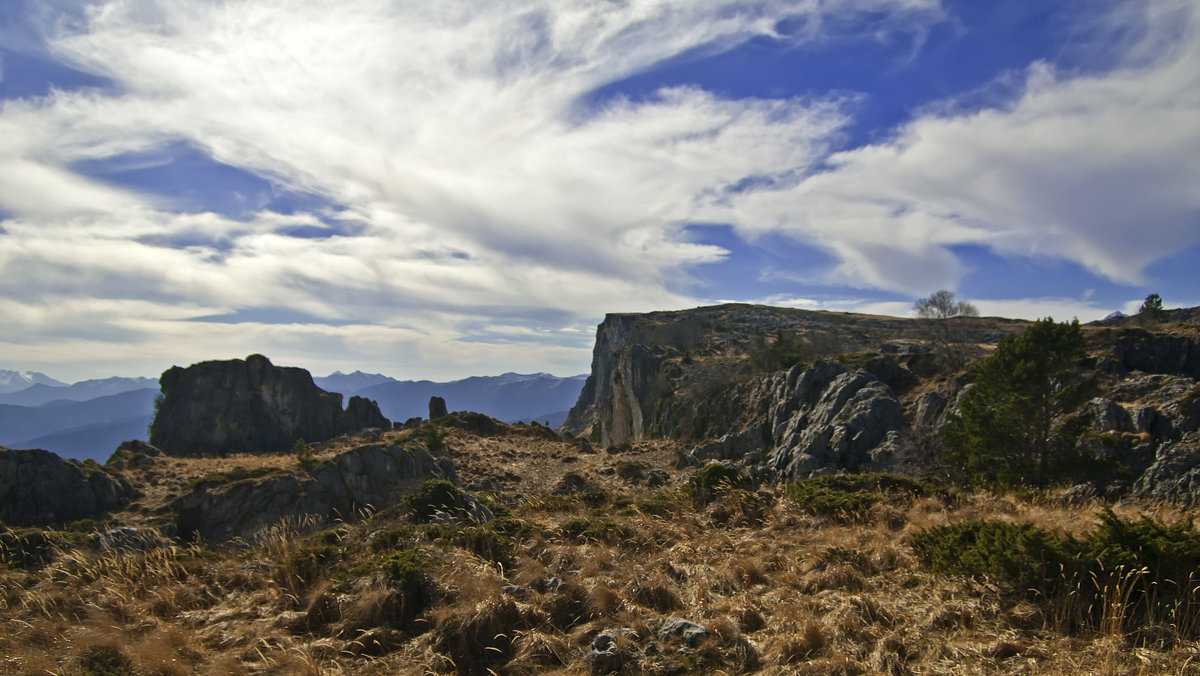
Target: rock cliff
(40,488)
(250,405)
(691,375)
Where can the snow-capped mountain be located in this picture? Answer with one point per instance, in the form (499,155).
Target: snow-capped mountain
(15,381)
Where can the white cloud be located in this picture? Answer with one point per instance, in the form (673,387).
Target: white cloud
(1100,169)
(454,134)
(487,190)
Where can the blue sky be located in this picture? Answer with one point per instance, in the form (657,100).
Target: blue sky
(437,190)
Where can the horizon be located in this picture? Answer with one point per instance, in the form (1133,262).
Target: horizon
(440,192)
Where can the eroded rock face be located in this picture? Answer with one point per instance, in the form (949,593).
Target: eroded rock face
(1150,353)
(250,405)
(376,476)
(827,422)
(1175,474)
(39,488)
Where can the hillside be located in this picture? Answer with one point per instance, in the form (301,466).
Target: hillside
(714,504)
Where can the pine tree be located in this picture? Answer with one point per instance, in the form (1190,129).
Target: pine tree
(1005,429)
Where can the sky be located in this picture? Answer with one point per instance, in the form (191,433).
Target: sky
(439,190)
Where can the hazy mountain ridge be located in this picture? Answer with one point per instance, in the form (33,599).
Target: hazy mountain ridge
(42,393)
(90,425)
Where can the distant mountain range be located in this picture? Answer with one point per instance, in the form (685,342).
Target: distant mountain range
(510,397)
(89,419)
(79,429)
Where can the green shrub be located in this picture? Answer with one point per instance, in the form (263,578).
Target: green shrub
(1019,554)
(1122,572)
(664,503)
(594,530)
(850,495)
(715,477)
(435,495)
(407,568)
(305,460)
(433,438)
(631,471)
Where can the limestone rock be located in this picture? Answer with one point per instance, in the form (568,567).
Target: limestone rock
(250,405)
(39,488)
(376,475)
(1153,353)
(928,410)
(853,413)
(1108,416)
(1175,474)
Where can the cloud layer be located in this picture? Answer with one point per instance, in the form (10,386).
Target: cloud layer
(482,210)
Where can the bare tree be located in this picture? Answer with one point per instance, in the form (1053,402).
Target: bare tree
(942,305)
(938,311)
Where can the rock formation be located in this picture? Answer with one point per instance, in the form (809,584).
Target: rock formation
(40,488)
(375,475)
(250,405)
(437,408)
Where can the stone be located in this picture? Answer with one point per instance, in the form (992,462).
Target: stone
(657,477)
(38,488)
(251,405)
(928,409)
(685,630)
(437,408)
(1108,416)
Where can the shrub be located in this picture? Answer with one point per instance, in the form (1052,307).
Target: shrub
(595,530)
(305,460)
(1122,571)
(716,477)
(435,495)
(630,471)
(851,495)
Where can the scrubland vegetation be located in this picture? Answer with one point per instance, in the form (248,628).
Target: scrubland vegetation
(854,574)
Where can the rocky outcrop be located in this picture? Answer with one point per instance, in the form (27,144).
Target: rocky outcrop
(40,488)
(812,421)
(437,408)
(829,418)
(250,405)
(1138,350)
(376,476)
(1175,474)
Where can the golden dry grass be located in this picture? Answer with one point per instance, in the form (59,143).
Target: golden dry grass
(779,590)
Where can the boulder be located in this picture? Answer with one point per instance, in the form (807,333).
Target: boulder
(39,488)
(1108,416)
(372,476)
(250,405)
(928,409)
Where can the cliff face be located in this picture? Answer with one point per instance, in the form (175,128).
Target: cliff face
(682,374)
(869,392)
(249,405)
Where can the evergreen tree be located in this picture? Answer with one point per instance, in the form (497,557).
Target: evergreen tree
(1005,429)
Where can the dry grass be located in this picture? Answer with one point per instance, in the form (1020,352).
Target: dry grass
(585,584)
